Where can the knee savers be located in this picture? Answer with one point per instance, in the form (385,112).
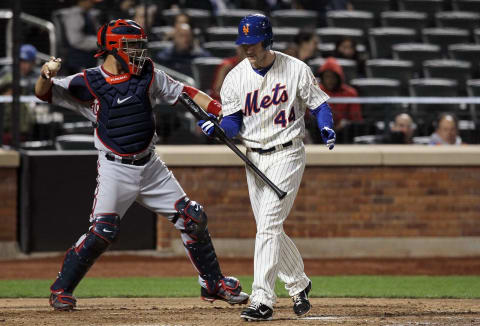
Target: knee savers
(194,218)
(79,258)
(102,233)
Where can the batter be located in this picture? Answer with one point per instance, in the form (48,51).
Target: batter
(264,99)
(117,98)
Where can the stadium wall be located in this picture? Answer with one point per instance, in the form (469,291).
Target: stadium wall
(9,163)
(355,201)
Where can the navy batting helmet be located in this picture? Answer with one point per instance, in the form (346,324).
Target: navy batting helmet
(254,29)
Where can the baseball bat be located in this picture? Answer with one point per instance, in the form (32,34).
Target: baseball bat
(200,114)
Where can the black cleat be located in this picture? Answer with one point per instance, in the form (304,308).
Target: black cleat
(301,305)
(62,301)
(257,312)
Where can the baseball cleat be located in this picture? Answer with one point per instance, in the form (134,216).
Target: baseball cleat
(301,305)
(229,290)
(257,312)
(62,301)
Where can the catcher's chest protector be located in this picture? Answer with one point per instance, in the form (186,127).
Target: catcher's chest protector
(125,119)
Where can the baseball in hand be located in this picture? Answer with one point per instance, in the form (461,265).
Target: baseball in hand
(53,65)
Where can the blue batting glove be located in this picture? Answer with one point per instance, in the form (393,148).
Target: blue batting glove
(207,125)
(329,137)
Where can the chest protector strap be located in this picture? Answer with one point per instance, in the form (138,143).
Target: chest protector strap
(125,121)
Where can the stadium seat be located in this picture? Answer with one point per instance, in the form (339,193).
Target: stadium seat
(458,19)
(204,71)
(232,16)
(445,36)
(467,52)
(382,39)
(200,18)
(466,5)
(74,142)
(294,18)
(405,19)
(473,89)
(334,34)
(157,46)
(349,67)
(328,49)
(373,87)
(416,52)
(373,6)
(228,34)
(402,70)
(158,33)
(432,87)
(351,19)
(284,34)
(450,69)
(279,46)
(476,35)
(430,7)
(221,49)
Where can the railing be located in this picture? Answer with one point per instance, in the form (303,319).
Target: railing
(35,21)
(361,100)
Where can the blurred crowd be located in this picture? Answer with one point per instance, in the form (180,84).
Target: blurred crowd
(181,42)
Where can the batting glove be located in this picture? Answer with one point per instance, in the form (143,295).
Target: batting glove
(207,125)
(329,137)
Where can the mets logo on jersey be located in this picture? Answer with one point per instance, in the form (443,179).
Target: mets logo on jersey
(279,95)
(246,29)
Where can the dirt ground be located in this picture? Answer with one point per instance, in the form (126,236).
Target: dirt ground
(193,311)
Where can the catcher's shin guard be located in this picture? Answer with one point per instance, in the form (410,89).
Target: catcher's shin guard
(80,258)
(203,256)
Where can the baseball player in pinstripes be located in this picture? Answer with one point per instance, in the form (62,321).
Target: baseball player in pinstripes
(264,99)
(117,97)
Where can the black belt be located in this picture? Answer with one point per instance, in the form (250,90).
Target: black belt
(271,149)
(129,160)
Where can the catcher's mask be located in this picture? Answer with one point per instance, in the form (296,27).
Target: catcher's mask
(126,41)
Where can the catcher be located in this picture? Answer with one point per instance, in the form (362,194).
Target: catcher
(117,98)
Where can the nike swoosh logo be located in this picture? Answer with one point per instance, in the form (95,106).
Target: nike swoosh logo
(119,101)
(196,208)
(263,312)
(106,230)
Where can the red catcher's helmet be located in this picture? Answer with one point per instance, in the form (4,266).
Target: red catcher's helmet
(126,41)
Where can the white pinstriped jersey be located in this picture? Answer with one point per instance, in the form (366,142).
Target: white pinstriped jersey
(273,105)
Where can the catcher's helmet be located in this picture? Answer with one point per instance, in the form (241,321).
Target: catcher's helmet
(126,41)
(254,29)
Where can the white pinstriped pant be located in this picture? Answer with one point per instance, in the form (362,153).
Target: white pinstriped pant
(275,253)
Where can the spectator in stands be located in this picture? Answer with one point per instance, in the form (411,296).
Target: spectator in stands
(179,56)
(306,41)
(222,71)
(333,83)
(401,131)
(346,48)
(80,24)
(28,76)
(180,19)
(146,21)
(446,131)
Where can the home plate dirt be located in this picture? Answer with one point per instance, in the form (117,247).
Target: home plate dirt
(192,311)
